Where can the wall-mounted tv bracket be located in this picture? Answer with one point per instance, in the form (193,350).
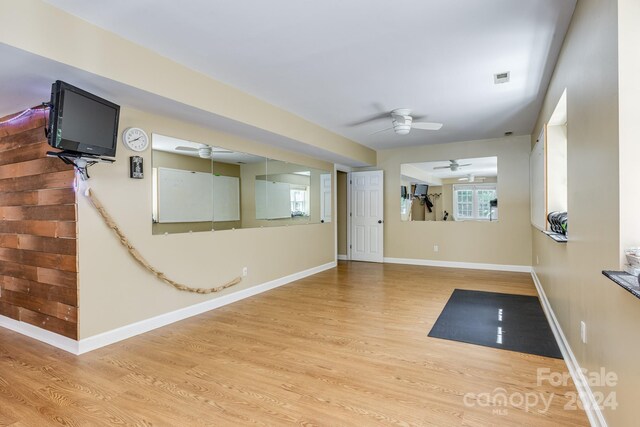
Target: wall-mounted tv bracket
(80,162)
(46,105)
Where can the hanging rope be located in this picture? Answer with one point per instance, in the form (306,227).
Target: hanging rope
(140,260)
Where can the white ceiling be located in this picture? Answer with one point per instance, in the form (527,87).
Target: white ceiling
(480,166)
(338,62)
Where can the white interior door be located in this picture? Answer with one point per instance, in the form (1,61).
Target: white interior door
(325,197)
(367,221)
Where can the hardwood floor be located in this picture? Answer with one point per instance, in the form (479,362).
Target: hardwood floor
(348,346)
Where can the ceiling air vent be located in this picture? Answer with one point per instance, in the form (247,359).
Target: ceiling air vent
(501,77)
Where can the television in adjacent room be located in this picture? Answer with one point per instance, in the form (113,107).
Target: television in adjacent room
(81,122)
(420,190)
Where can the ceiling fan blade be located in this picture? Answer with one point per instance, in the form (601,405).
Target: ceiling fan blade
(218,150)
(369,119)
(183,148)
(381,130)
(467,164)
(426,125)
(443,167)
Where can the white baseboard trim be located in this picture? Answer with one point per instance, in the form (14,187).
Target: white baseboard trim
(589,402)
(342,258)
(147,325)
(128,331)
(59,341)
(454,264)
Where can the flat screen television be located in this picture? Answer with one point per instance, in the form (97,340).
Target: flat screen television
(420,190)
(82,122)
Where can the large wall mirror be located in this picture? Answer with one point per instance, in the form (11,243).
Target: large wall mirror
(202,187)
(450,190)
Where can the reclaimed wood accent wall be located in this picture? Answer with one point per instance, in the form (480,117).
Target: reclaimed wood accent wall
(38,212)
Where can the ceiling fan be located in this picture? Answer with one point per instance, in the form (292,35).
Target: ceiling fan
(453,165)
(402,122)
(204,151)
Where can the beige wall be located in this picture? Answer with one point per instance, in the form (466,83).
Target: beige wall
(341,211)
(115,291)
(601,141)
(507,241)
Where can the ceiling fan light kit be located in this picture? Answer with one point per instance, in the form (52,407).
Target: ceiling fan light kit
(204,152)
(401,121)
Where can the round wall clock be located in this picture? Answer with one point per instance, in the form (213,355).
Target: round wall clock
(135,139)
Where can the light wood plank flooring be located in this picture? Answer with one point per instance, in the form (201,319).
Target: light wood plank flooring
(348,346)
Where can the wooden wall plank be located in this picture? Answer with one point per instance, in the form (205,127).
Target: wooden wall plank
(40,244)
(32,120)
(42,166)
(39,259)
(23,139)
(62,229)
(49,276)
(50,323)
(63,179)
(47,212)
(40,305)
(58,196)
(57,277)
(9,310)
(38,213)
(62,294)
(24,153)
(8,240)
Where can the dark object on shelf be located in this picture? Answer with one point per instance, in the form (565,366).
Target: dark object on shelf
(82,122)
(428,202)
(135,167)
(446,215)
(403,191)
(558,222)
(490,319)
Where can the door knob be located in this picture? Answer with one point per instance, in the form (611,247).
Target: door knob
(379,221)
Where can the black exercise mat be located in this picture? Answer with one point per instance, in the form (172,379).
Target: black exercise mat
(510,322)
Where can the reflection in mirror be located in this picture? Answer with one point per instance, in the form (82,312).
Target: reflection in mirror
(450,190)
(232,174)
(182,186)
(198,187)
(292,194)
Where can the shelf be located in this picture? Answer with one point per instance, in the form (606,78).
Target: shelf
(625,280)
(556,237)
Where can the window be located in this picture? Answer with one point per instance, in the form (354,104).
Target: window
(556,147)
(299,200)
(473,202)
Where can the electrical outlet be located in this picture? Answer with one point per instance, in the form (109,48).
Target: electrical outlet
(245,271)
(583,332)
(435,248)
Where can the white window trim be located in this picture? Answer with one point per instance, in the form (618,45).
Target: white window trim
(474,199)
